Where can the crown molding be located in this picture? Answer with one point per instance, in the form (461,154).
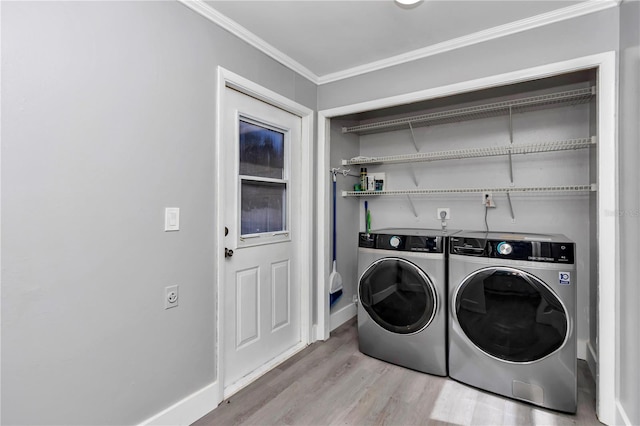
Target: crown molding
(580,9)
(242,33)
(590,6)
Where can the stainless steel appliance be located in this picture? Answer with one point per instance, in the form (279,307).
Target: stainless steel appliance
(402,315)
(512,300)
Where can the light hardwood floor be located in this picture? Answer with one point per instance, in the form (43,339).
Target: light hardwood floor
(332,383)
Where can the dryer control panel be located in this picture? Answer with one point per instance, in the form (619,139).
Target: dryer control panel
(399,242)
(532,251)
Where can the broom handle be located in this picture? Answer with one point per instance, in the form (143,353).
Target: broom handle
(335,225)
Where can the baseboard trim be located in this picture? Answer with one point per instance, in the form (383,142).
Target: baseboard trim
(581,348)
(622,414)
(188,410)
(343,315)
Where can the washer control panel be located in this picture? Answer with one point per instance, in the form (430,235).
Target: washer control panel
(532,251)
(415,243)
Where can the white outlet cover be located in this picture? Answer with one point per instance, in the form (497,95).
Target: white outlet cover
(172,219)
(171,297)
(487,199)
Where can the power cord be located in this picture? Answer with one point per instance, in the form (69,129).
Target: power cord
(486,228)
(486,225)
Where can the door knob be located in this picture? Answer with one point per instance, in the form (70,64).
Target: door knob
(228,252)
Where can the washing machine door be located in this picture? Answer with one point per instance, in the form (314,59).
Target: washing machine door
(398,295)
(510,314)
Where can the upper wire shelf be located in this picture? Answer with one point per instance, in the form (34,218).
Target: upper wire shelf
(570,97)
(490,151)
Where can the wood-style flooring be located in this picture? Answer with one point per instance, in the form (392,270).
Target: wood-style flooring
(332,383)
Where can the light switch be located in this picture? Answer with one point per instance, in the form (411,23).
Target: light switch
(172,219)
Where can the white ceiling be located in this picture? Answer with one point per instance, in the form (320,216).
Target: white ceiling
(326,40)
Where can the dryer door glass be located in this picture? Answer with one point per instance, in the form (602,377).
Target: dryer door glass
(398,295)
(511,314)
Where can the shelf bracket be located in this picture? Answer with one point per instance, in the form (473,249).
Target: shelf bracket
(510,168)
(413,138)
(413,207)
(414,175)
(511,142)
(413,172)
(513,217)
(511,125)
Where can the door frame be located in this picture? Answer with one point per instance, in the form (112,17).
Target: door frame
(606,354)
(228,79)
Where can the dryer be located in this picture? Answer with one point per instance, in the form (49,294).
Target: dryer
(512,301)
(402,315)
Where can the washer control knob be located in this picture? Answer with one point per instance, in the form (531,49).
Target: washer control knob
(394,241)
(504,248)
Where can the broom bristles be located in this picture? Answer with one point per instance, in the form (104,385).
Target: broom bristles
(333,297)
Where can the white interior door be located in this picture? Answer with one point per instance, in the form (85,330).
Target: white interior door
(261,156)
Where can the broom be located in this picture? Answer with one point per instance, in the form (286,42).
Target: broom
(335,280)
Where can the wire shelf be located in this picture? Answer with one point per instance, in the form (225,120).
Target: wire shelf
(571,97)
(425,191)
(491,151)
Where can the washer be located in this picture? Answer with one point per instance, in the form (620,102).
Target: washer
(512,301)
(402,314)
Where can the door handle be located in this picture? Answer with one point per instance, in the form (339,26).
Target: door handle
(228,252)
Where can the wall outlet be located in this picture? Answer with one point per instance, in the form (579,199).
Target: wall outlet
(446,211)
(487,199)
(171,296)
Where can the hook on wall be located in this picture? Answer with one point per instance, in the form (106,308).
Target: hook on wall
(345,172)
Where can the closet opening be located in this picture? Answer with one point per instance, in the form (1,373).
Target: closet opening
(532,141)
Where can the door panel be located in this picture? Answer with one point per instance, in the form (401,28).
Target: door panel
(262,200)
(247,306)
(281,292)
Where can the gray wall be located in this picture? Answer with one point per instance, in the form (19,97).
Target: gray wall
(589,34)
(629,214)
(108,118)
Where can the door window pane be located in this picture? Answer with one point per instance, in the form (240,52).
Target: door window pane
(398,296)
(511,315)
(262,207)
(261,151)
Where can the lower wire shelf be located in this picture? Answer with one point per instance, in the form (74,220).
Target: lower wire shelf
(509,189)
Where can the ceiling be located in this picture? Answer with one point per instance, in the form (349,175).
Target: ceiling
(327,40)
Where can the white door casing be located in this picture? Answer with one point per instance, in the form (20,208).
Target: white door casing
(264,289)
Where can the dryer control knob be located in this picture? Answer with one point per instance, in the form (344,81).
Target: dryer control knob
(504,248)
(394,241)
